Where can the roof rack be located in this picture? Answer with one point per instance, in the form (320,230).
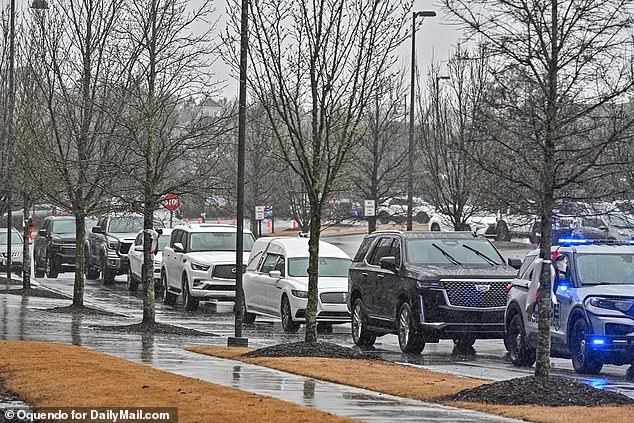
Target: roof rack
(581,241)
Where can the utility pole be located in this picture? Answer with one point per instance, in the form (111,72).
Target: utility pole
(237,340)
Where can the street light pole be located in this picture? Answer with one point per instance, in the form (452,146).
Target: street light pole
(410,173)
(237,340)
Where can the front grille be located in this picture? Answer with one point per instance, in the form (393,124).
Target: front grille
(225,271)
(220,288)
(334,297)
(333,314)
(616,329)
(124,247)
(13,254)
(474,293)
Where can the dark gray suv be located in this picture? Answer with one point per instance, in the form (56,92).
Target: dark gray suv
(427,286)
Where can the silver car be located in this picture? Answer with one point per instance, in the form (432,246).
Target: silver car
(592,320)
(16,250)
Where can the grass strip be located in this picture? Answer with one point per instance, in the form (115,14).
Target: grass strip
(419,384)
(59,375)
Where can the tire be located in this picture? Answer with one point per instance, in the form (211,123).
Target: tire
(52,269)
(465,227)
(422,217)
(464,344)
(520,352)
(288,324)
(435,227)
(106,275)
(132,283)
(502,232)
(39,273)
(383,218)
(582,358)
(92,273)
(247,318)
(408,340)
(360,334)
(189,302)
(168,297)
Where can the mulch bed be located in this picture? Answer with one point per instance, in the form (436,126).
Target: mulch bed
(552,391)
(303,349)
(83,311)
(35,292)
(155,329)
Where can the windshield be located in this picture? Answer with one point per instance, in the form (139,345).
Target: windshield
(328,267)
(218,241)
(452,251)
(599,269)
(15,237)
(126,225)
(68,226)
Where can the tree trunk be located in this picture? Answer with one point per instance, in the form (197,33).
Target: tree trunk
(313,273)
(147,272)
(26,251)
(80,258)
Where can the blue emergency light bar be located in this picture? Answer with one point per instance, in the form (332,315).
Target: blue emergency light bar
(580,241)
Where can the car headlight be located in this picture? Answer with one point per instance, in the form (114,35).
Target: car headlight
(611,303)
(299,294)
(113,243)
(200,267)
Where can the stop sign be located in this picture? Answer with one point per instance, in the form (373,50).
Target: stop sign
(172,202)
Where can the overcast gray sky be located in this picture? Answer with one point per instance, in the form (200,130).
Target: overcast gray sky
(434,39)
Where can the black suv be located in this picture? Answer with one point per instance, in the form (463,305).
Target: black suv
(54,246)
(427,286)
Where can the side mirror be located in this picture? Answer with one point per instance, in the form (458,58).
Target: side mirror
(515,263)
(42,232)
(388,263)
(97,230)
(275,274)
(138,248)
(178,247)
(159,231)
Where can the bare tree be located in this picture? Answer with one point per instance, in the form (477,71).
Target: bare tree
(172,144)
(563,69)
(72,132)
(380,158)
(452,180)
(315,65)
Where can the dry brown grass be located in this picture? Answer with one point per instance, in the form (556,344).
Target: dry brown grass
(59,375)
(420,384)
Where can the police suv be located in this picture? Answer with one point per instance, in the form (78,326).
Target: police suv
(592,320)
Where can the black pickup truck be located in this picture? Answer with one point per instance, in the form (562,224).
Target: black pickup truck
(108,246)
(54,246)
(427,286)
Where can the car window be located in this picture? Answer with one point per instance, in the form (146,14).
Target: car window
(139,239)
(328,267)
(176,237)
(381,250)
(218,241)
(254,261)
(16,238)
(162,242)
(452,251)
(126,224)
(62,226)
(395,250)
(363,249)
(611,269)
(269,263)
(525,265)
(593,222)
(280,265)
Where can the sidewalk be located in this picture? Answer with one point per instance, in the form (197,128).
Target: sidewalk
(26,319)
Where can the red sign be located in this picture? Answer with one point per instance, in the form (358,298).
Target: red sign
(172,202)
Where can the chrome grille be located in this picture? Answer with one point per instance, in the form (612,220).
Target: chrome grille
(334,297)
(474,293)
(225,271)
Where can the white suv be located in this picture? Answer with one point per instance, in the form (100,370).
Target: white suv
(199,263)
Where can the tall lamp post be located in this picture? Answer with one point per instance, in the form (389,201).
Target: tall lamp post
(410,173)
(237,340)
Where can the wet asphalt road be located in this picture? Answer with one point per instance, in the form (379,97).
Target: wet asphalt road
(488,361)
